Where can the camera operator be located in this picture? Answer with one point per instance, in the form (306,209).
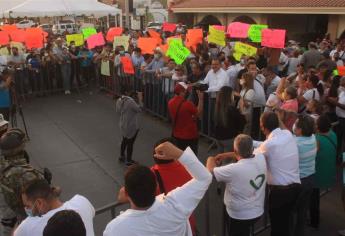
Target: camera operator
(5,100)
(17,62)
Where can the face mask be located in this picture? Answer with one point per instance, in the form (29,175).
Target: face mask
(156,56)
(29,212)
(242,62)
(122,52)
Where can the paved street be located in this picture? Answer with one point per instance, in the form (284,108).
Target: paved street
(77,137)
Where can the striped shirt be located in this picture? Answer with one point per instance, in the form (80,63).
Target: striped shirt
(307,152)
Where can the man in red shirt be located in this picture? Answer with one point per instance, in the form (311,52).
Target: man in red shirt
(184,116)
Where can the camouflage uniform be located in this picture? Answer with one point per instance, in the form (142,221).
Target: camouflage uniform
(15,173)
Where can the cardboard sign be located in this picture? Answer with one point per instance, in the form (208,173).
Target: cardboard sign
(77,38)
(127,65)
(341,70)
(105,68)
(194,37)
(169,27)
(95,40)
(18,35)
(112,32)
(147,45)
(273,38)
(121,41)
(254,32)
(216,36)
(238,30)
(243,49)
(4,38)
(177,51)
(155,35)
(87,32)
(34,38)
(9,28)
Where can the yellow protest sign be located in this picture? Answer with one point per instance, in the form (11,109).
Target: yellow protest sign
(216,36)
(243,49)
(121,40)
(77,38)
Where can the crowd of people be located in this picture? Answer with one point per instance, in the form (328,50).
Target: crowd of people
(278,119)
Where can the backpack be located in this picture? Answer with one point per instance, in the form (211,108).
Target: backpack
(12,180)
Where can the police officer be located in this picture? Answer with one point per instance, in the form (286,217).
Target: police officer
(15,173)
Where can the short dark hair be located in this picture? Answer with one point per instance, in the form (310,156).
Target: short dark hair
(251,63)
(270,120)
(163,140)
(39,188)
(140,184)
(323,123)
(306,124)
(66,222)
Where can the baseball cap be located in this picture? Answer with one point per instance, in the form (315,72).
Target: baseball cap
(3,121)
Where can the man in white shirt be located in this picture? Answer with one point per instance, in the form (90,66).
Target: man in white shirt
(41,202)
(161,215)
(281,153)
(216,78)
(245,181)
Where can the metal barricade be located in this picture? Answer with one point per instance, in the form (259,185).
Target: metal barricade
(111,208)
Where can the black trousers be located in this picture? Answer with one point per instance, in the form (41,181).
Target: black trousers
(5,111)
(240,227)
(256,123)
(282,202)
(127,144)
(314,208)
(184,143)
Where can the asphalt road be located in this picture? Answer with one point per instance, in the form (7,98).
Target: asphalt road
(77,138)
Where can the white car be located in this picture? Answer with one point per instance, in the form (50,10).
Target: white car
(154,26)
(60,29)
(25,24)
(45,27)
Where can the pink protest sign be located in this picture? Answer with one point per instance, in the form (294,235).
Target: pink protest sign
(273,38)
(169,27)
(95,40)
(238,30)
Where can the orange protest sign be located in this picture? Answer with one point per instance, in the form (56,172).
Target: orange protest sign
(9,28)
(127,65)
(18,35)
(155,35)
(164,48)
(341,70)
(34,39)
(147,45)
(193,37)
(112,32)
(4,39)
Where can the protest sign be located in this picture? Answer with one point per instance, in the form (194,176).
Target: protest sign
(147,45)
(34,38)
(219,27)
(177,51)
(174,38)
(238,30)
(18,35)
(4,38)
(87,32)
(112,32)
(155,35)
(335,72)
(341,70)
(193,37)
(127,65)
(243,49)
(9,28)
(105,68)
(216,36)
(95,40)
(254,32)
(77,38)
(168,27)
(273,38)
(121,41)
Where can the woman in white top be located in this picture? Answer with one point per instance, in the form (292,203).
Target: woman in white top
(180,74)
(247,95)
(314,91)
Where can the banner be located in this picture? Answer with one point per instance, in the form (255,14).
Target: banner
(121,41)
(112,32)
(216,36)
(95,40)
(273,38)
(254,32)
(243,49)
(147,45)
(127,65)
(87,32)
(4,38)
(77,38)
(168,27)
(177,51)
(238,30)
(105,68)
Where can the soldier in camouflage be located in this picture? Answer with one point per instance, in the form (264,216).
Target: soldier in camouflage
(15,173)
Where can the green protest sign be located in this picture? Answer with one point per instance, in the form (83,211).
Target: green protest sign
(254,32)
(177,51)
(335,72)
(87,32)
(121,41)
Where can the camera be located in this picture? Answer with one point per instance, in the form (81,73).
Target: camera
(200,87)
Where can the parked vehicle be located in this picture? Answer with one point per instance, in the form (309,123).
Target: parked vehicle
(25,24)
(46,27)
(60,29)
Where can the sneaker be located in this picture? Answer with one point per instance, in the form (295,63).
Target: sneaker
(122,159)
(341,232)
(67,92)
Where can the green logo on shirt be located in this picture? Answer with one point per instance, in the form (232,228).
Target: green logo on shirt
(258,182)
